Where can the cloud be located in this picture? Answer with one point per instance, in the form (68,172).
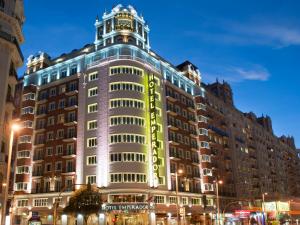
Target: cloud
(249,33)
(237,74)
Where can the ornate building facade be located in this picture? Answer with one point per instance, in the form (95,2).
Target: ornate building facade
(148,134)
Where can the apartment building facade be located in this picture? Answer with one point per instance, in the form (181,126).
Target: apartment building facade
(116,115)
(11,36)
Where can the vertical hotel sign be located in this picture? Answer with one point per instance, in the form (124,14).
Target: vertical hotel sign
(153,129)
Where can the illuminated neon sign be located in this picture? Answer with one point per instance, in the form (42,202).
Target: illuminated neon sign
(153,128)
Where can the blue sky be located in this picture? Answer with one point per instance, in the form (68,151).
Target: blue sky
(254,45)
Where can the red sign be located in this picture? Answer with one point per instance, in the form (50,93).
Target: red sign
(242,213)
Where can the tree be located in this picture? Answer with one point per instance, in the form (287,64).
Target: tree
(85,201)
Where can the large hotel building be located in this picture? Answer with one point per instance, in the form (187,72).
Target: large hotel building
(117,115)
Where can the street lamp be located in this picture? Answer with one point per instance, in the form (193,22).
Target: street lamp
(218,199)
(14,128)
(263,206)
(180,171)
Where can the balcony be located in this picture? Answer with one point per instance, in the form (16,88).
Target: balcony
(41,113)
(69,138)
(70,122)
(71,92)
(174,155)
(37,173)
(12,40)
(68,171)
(69,153)
(38,158)
(71,106)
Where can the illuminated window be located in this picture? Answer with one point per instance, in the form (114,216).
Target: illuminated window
(127,120)
(29,96)
(91,160)
(172,200)
(91,142)
(202,119)
(127,138)
(27,110)
(196,201)
(201,106)
(22,203)
(184,201)
(25,139)
(21,186)
(92,125)
(206,172)
(208,187)
(92,108)
(93,76)
(93,92)
(159,199)
(134,178)
(126,70)
(40,202)
(22,169)
(27,124)
(124,102)
(127,86)
(205,158)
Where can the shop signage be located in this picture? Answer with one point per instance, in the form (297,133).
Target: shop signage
(153,128)
(127,207)
(277,206)
(242,213)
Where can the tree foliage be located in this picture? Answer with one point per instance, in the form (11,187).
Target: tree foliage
(85,201)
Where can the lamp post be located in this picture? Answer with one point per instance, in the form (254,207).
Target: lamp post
(177,197)
(14,128)
(263,206)
(218,200)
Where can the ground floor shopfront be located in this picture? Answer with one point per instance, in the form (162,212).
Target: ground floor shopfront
(122,214)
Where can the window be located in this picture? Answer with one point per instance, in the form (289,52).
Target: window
(60,118)
(52,92)
(92,108)
(51,121)
(93,76)
(204,144)
(201,106)
(27,110)
(91,160)
(53,76)
(196,201)
(48,167)
(134,178)
(203,131)
(115,178)
(127,86)
(91,179)
(29,96)
(124,102)
(172,200)
(61,103)
(202,119)
(92,142)
(127,138)
(62,89)
(40,202)
(73,70)
(207,172)
(127,120)
(27,124)
(23,154)
(59,150)
(49,151)
(60,134)
(205,158)
(21,186)
(58,166)
(126,70)
(50,136)
(25,139)
(63,73)
(93,92)
(116,157)
(184,200)
(92,125)
(208,187)
(159,199)
(70,149)
(22,202)
(22,169)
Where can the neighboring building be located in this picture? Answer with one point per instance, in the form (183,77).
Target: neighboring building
(116,115)
(11,36)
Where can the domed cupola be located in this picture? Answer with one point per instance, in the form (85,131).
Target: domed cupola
(122,25)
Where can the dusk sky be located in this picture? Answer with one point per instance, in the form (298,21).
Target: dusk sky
(254,45)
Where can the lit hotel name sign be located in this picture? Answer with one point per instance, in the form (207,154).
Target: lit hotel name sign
(127,207)
(153,128)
